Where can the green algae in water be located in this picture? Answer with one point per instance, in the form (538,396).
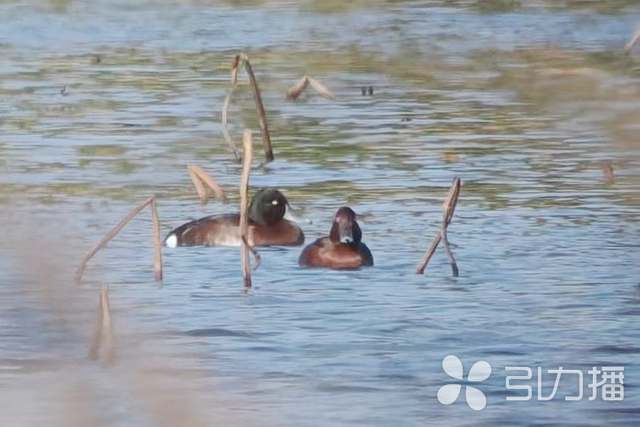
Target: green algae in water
(102,150)
(122,166)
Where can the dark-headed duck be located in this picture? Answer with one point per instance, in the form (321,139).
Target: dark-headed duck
(269,225)
(342,249)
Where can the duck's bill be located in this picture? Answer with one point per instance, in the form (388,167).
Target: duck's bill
(346,236)
(289,216)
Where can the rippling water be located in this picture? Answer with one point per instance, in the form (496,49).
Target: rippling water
(524,105)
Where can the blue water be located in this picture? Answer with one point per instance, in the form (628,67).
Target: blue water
(547,249)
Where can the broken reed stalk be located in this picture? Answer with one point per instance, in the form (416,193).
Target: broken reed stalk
(448,209)
(298,87)
(197,183)
(198,177)
(629,46)
(225,125)
(262,116)
(244,209)
(157,243)
(294,91)
(104,330)
(254,252)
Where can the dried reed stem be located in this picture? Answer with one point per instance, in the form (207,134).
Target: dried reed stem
(321,89)
(157,243)
(225,124)
(301,85)
(298,87)
(607,170)
(104,329)
(262,116)
(629,46)
(198,177)
(197,183)
(244,208)
(234,68)
(114,232)
(448,207)
(97,334)
(254,252)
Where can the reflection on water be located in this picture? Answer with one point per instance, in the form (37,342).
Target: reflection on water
(524,104)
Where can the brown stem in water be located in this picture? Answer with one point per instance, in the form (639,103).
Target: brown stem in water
(104,329)
(197,183)
(298,87)
(449,207)
(301,85)
(198,177)
(255,254)
(629,46)
(157,243)
(447,250)
(244,209)
(97,334)
(262,116)
(114,232)
(225,125)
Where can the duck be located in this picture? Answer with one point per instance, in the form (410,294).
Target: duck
(342,248)
(270,224)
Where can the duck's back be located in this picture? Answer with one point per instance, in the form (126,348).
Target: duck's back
(224,230)
(219,230)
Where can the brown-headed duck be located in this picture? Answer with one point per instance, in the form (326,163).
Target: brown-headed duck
(342,249)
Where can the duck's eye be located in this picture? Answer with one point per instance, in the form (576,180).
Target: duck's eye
(274,203)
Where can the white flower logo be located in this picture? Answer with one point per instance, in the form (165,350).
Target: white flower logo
(448,394)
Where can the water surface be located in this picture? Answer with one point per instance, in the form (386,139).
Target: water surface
(524,104)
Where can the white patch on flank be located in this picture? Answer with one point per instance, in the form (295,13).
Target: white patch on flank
(233,240)
(275,202)
(172,241)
